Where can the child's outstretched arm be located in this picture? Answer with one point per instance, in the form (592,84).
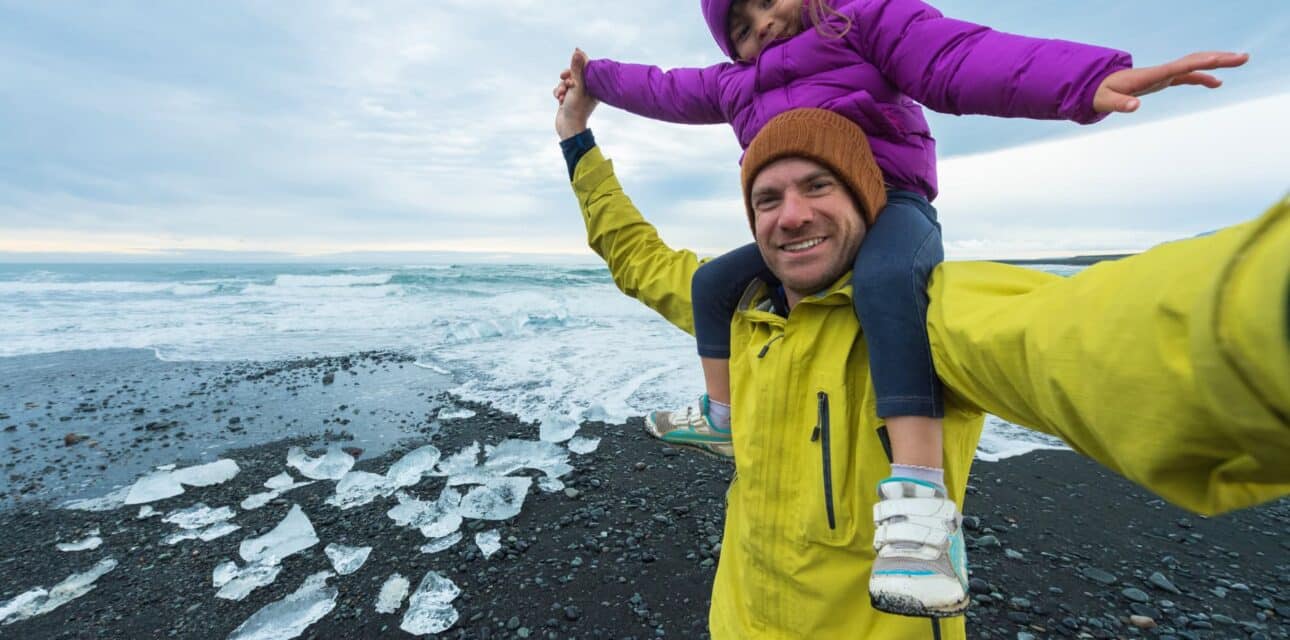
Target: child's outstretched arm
(958,67)
(684,96)
(1119,92)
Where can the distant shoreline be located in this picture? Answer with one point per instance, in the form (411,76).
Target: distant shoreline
(1077,261)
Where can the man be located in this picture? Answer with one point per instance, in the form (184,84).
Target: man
(1171,368)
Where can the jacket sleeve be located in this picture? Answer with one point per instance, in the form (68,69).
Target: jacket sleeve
(640,263)
(1171,368)
(960,68)
(684,96)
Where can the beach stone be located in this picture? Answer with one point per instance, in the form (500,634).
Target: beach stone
(988,542)
(1159,581)
(328,377)
(1099,576)
(1014,555)
(1142,622)
(1136,595)
(74,439)
(977,585)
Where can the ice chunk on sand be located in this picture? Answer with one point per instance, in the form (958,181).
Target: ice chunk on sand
(88,543)
(277,486)
(153,487)
(499,499)
(550,485)
(458,413)
(207,475)
(346,560)
(489,542)
(430,608)
(461,462)
(435,519)
(512,455)
(412,467)
(440,544)
(331,466)
(290,616)
(212,532)
(358,488)
(146,511)
(236,583)
(280,482)
(38,601)
(557,428)
(198,516)
(113,500)
(295,533)
(392,594)
(583,445)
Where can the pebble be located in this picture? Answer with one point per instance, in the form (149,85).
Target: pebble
(1159,581)
(1099,576)
(1136,595)
(1142,622)
(987,542)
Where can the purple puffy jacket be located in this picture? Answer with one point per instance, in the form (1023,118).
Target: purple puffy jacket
(895,53)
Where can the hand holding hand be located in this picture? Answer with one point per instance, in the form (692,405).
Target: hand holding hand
(1119,91)
(576,104)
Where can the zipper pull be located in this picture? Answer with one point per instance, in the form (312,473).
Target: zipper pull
(766,348)
(815,434)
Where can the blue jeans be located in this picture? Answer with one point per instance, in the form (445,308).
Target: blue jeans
(889,284)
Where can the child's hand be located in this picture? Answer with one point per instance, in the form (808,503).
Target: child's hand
(1119,91)
(567,81)
(576,104)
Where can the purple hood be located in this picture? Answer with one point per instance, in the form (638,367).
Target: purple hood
(716,13)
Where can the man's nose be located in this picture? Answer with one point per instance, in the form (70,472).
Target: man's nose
(797,211)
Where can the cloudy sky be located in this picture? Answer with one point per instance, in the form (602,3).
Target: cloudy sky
(228,129)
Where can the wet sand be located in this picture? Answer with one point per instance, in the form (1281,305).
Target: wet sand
(1058,547)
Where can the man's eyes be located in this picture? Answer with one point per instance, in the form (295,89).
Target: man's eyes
(819,185)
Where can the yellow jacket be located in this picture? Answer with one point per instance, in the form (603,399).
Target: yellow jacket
(1172,368)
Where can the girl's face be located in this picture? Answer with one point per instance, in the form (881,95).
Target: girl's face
(756,23)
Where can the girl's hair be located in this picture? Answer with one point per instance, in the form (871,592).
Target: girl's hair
(820,10)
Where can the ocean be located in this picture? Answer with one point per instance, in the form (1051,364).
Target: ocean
(547,342)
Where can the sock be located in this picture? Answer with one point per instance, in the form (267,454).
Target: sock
(933,475)
(719,412)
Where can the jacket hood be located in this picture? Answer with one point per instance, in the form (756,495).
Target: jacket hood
(715,13)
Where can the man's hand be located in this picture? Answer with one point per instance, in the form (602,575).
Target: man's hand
(1119,91)
(576,104)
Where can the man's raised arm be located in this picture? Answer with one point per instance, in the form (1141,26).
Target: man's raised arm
(641,264)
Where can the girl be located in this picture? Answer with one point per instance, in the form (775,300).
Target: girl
(874,62)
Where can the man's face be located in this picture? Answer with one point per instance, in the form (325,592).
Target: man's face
(806,223)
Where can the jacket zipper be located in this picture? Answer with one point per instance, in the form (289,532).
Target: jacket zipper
(821,434)
(766,348)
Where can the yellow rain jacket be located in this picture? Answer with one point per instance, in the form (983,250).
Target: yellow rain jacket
(1172,368)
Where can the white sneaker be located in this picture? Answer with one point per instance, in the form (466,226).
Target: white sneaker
(921,568)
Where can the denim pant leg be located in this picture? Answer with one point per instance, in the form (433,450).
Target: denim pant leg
(890,285)
(715,291)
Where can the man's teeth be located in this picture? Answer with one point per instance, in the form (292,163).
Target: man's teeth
(803,245)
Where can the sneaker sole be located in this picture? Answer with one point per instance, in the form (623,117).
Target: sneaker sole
(653,431)
(907,606)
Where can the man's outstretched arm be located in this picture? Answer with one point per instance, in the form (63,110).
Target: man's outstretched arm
(1172,368)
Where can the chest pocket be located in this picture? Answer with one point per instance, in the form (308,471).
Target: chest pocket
(830,505)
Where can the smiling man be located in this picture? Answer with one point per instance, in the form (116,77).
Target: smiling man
(1171,368)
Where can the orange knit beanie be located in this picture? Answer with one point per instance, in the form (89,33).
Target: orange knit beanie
(824,137)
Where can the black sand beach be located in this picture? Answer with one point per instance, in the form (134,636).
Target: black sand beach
(1059,547)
